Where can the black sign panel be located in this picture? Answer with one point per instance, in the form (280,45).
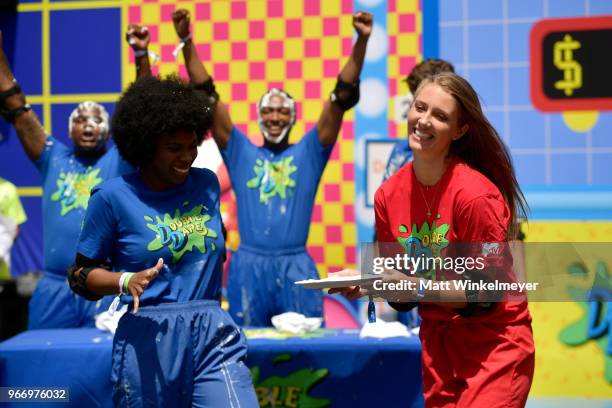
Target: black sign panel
(577,64)
(571,64)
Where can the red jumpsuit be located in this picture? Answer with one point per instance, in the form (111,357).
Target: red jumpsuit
(483,360)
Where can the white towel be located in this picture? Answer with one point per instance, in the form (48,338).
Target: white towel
(296,323)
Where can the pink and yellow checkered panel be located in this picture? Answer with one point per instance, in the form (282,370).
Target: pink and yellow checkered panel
(405,29)
(300,46)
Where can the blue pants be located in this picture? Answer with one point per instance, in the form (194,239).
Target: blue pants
(188,354)
(55,306)
(261,285)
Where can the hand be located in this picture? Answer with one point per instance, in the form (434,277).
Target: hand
(383,291)
(351,292)
(140,281)
(180,18)
(407,291)
(363,22)
(138,37)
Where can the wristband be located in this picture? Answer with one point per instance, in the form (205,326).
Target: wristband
(123,288)
(123,282)
(180,45)
(140,53)
(187,38)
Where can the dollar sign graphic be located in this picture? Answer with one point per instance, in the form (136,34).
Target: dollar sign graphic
(563,59)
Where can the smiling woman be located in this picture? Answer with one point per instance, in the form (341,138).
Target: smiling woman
(151,109)
(477,351)
(163,222)
(462,182)
(171,161)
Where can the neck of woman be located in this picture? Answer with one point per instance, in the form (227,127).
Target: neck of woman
(152,180)
(429,171)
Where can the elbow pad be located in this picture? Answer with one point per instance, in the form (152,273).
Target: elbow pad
(339,94)
(77,278)
(208,87)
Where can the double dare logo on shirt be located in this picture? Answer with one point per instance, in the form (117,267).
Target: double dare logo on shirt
(182,232)
(429,241)
(272,178)
(73,189)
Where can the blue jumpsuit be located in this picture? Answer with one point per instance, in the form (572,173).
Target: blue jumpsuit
(181,349)
(66,183)
(275,193)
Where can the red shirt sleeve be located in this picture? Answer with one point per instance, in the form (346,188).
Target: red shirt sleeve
(484,219)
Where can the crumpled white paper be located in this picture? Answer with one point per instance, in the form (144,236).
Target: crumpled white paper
(382,330)
(107,322)
(296,323)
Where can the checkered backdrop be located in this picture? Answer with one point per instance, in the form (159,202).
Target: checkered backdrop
(300,46)
(67,52)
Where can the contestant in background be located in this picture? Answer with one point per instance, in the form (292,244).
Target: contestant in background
(275,185)
(155,238)
(68,173)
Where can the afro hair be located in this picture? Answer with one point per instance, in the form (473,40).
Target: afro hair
(152,107)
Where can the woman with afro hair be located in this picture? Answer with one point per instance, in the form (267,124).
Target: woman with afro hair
(155,238)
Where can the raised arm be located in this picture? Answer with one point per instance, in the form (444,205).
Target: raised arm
(14,109)
(199,76)
(138,38)
(346,94)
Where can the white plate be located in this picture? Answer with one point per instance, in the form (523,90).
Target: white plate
(337,282)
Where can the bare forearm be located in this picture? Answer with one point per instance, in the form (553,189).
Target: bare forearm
(222,123)
(103,282)
(143,66)
(352,69)
(31,134)
(30,131)
(195,68)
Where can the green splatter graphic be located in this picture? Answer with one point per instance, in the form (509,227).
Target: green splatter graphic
(291,391)
(73,189)
(274,334)
(272,178)
(596,321)
(281,358)
(181,233)
(428,241)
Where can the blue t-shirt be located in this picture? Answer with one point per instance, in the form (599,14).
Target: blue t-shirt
(275,190)
(400,155)
(132,227)
(66,183)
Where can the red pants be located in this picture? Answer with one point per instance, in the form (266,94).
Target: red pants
(476,365)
